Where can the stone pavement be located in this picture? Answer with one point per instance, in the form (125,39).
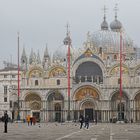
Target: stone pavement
(70,131)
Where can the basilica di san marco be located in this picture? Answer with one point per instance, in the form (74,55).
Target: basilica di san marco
(94,80)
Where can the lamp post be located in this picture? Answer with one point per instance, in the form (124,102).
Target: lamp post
(67,42)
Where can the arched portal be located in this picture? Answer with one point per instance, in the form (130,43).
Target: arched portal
(120,106)
(33,105)
(55,105)
(88,108)
(137,107)
(86,102)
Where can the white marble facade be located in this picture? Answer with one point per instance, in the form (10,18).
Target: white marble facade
(95,73)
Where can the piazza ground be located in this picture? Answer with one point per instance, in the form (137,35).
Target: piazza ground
(70,131)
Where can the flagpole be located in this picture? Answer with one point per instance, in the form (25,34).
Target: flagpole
(68,82)
(18,112)
(120,76)
(67,42)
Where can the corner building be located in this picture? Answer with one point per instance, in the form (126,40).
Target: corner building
(94,80)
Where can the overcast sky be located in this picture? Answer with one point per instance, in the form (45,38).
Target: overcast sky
(44,21)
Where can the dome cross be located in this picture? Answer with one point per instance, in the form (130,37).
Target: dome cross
(116,10)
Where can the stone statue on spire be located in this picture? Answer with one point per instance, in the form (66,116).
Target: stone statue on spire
(38,58)
(24,60)
(46,59)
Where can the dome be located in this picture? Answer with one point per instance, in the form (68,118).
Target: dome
(110,39)
(104,25)
(61,54)
(116,25)
(67,40)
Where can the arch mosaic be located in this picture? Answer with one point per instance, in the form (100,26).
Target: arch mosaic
(32,96)
(57,72)
(116,70)
(86,92)
(35,72)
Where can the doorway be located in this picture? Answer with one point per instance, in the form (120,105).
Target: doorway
(89,113)
(121,109)
(37,116)
(58,116)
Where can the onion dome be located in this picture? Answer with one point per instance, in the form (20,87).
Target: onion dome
(67,40)
(104,25)
(116,24)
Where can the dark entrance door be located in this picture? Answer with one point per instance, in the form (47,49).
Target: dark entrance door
(37,116)
(58,116)
(13,115)
(121,111)
(89,112)
(121,116)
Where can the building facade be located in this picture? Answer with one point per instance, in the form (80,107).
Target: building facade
(94,80)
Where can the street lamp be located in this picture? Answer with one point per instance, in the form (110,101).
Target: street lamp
(67,42)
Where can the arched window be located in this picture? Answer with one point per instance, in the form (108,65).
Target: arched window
(115,57)
(87,71)
(100,50)
(58,82)
(36,82)
(57,107)
(108,57)
(121,107)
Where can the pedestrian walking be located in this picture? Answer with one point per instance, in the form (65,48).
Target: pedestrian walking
(31,120)
(34,120)
(87,122)
(81,120)
(28,119)
(5,119)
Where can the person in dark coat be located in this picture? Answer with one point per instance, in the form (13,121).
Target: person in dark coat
(81,120)
(31,120)
(87,122)
(5,119)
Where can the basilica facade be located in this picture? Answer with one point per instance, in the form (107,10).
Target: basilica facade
(94,80)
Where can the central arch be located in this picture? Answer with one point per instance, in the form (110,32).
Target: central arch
(88,109)
(86,100)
